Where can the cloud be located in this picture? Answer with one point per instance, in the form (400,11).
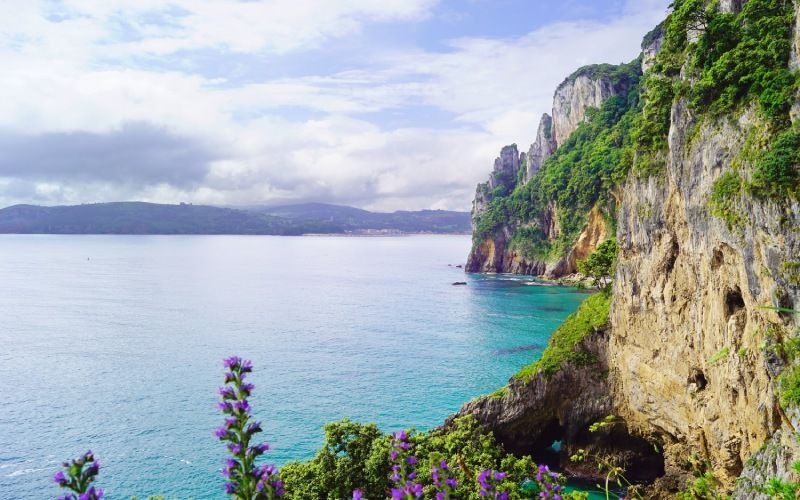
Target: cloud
(137,154)
(157,28)
(81,121)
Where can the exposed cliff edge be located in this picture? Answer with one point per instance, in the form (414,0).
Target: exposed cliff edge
(700,355)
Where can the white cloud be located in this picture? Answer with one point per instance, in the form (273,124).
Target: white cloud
(65,70)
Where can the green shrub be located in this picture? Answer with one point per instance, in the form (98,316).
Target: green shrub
(357,456)
(719,356)
(601,265)
(776,172)
(790,386)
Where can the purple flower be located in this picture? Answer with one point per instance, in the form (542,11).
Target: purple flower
(222,433)
(253,427)
(357,494)
(227,393)
(93,469)
(261,448)
(242,406)
(60,478)
(232,362)
(487,480)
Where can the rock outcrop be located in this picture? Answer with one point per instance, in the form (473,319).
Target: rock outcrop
(502,180)
(541,149)
(587,88)
(584,89)
(528,416)
(690,368)
(651,46)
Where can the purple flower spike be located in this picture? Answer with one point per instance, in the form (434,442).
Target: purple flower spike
(79,473)
(246,479)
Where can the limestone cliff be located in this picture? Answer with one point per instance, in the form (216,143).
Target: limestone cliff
(689,365)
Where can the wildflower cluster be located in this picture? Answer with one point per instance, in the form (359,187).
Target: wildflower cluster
(550,483)
(403,473)
(246,480)
(80,472)
(444,483)
(488,481)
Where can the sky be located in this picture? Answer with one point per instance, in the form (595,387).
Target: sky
(380,104)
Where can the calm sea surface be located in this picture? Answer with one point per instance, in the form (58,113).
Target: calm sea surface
(114,343)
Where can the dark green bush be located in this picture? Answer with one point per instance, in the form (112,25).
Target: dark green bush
(776,172)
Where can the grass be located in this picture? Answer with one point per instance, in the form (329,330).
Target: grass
(591,315)
(719,356)
(790,386)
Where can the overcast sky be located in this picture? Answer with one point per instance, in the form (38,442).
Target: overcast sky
(381,104)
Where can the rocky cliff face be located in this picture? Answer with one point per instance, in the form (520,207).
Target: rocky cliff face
(690,369)
(502,179)
(533,414)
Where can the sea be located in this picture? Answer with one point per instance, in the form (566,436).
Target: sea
(115,344)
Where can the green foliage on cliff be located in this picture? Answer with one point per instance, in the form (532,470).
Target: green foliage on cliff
(724,195)
(776,172)
(592,314)
(729,61)
(357,456)
(584,172)
(616,74)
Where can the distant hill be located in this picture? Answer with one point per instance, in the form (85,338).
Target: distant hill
(355,219)
(151,218)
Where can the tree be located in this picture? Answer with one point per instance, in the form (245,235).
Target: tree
(602,264)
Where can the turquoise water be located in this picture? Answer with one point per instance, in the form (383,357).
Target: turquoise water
(114,343)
